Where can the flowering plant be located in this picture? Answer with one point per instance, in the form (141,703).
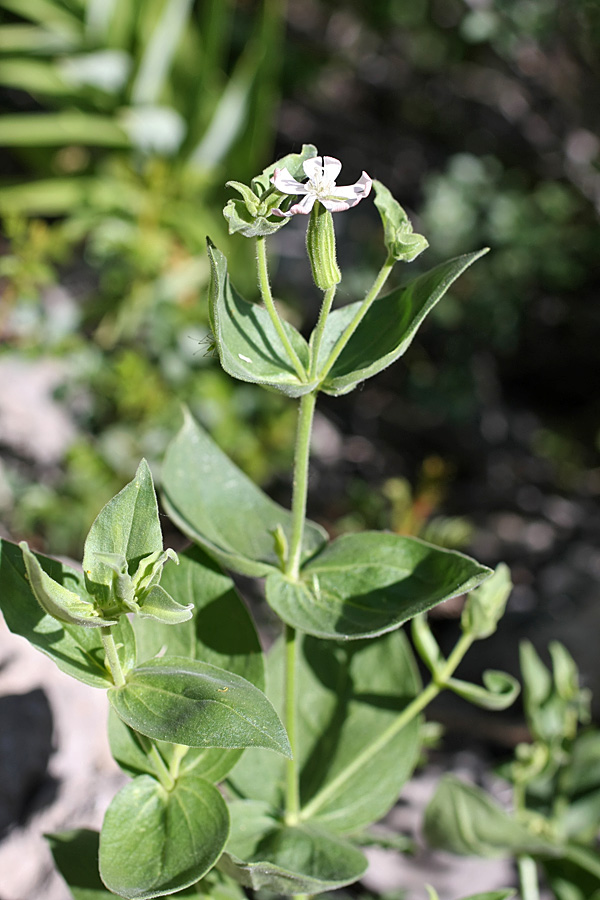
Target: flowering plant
(312,743)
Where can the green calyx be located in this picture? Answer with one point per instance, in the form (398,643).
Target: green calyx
(320,244)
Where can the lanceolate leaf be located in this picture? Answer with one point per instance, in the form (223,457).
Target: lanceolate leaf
(189,702)
(249,347)
(464,819)
(128,526)
(75,650)
(154,841)
(388,328)
(287,860)
(362,585)
(211,501)
(349,696)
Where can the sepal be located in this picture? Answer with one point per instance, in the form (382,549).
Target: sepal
(252,215)
(400,240)
(57,600)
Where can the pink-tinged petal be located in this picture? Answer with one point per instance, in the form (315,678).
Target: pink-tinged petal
(335,204)
(313,168)
(331,168)
(303,207)
(353,193)
(284,182)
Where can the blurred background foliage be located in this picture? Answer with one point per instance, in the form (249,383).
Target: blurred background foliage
(122,121)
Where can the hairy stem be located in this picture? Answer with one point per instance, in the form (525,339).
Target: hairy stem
(407,715)
(267,296)
(292,787)
(320,328)
(300,487)
(357,319)
(112,657)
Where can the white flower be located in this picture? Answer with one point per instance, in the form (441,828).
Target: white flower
(321,173)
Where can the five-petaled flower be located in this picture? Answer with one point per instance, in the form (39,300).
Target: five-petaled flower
(321,172)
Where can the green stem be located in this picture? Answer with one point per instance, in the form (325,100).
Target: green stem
(112,657)
(179,752)
(292,791)
(528,878)
(360,314)
(160,767)
(320,328)
(265,291)
(407,715)
(300,488)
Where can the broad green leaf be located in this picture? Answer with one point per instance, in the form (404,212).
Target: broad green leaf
(154,841)
(349,697)
(75,650)
(127,747)
(235,647)
(185,701)
(362,585)
(400,240)
(464,819)
(249,347)
(499,690)
(58,601)
(127,526)
(575,875)
(212,501)
(263,853)
(388,327)
(76,857)
(61,129)
(221,630)
(485,606)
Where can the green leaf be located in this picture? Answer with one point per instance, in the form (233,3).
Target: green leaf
(76,857)
(212,501)
(362,585)
(57,600)
(262,853)
(464,819)
(154,842)
(249,347)
(388,327)
(75,650)
(485,606)
(128,526)
(61,129)
(220,632)
(17,38)
(34,76)
(127,748)
(293,162)
(189,702)
(499,692)
(400,241)
(352,768)
(236,648)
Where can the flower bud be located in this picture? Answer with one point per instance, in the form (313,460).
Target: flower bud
(320,244)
